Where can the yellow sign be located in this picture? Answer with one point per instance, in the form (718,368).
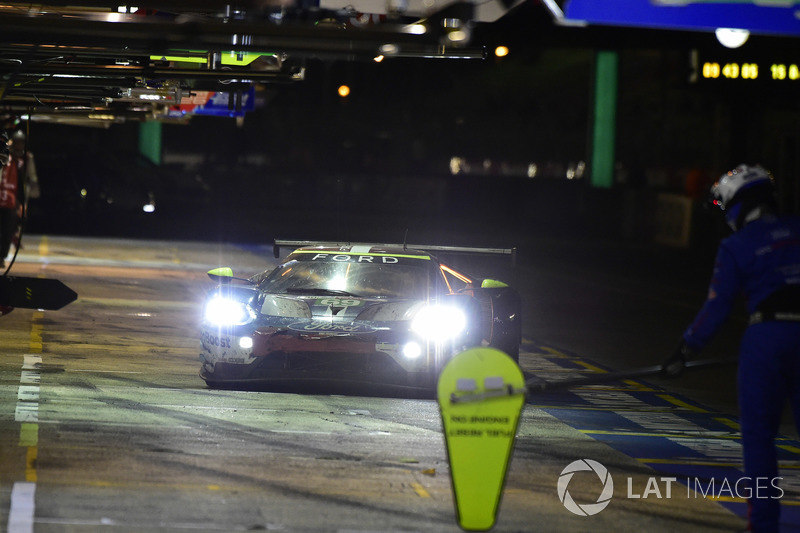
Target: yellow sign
(481,393)
(231,58)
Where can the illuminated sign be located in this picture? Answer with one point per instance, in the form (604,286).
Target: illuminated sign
(731,71)
(213,103)
(776,17)
(772,71)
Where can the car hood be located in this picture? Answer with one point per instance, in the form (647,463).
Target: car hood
(337,308)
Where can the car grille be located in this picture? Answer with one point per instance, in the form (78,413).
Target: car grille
(331,362)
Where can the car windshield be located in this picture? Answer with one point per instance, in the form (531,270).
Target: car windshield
(407,280)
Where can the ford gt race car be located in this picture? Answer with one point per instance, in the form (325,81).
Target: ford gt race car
(354,313)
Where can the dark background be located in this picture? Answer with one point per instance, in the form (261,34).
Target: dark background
(375,165)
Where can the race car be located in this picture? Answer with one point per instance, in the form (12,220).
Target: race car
(354,313)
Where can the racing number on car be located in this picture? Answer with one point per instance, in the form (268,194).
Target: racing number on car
(337,302)
(213,340)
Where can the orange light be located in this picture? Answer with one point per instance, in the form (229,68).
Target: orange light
(501,51)
(344,91)
(452,272)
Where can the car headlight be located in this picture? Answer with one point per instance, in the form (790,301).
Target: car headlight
(412,350)
(439,322)
(223,311)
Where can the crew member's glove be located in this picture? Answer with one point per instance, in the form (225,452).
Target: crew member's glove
(675,364)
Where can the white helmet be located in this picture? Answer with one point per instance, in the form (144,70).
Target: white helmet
(729,187)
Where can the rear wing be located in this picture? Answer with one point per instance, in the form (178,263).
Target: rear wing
(512,252)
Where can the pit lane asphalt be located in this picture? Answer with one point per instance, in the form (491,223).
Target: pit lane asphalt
(128,437)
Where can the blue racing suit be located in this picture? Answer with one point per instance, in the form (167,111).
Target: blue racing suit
(762,260)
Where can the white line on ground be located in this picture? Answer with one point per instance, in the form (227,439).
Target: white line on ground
(20,516)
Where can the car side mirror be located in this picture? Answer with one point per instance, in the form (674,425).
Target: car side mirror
(493,284)
(221,274)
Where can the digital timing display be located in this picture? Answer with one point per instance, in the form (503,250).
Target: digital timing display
(777,70)
(712,70)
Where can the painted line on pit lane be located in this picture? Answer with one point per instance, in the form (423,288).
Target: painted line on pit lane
(709,434)
(682,404)
(161,526)
(23,493)
(783,464)
(104,262)
(420,490)
(90,371)
(64,347)
(733,424)
(132,302)
(607,415)
(188,526)
(23,506)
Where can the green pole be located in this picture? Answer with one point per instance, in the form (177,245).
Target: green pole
(150,141)
(605,115)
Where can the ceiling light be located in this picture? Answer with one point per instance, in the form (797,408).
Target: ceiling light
(731,37)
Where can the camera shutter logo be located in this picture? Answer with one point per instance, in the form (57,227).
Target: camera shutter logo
(587,509)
